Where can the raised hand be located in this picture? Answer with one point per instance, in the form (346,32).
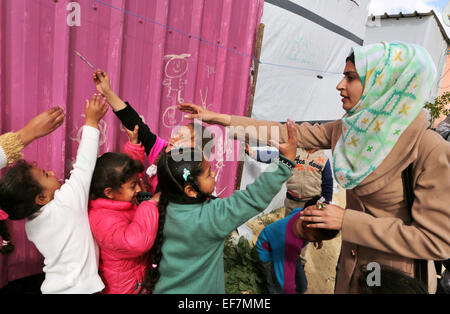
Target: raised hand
(289,149)
(102,82)
(95,110)
(42,125)
(133,135)
(156,197)
(103,85)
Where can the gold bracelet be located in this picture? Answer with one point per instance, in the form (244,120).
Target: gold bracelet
(12,146)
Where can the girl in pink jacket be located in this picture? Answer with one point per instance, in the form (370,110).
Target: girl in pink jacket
(124,231)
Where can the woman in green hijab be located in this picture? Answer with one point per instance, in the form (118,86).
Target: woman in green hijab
(383,132)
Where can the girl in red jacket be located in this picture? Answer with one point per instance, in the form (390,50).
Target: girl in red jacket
(124,231)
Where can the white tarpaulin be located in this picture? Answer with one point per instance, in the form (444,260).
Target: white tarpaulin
(296,50)
(302,60)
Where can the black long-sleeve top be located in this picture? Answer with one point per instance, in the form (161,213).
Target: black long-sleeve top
(130,118)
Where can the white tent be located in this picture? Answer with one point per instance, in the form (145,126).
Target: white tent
(302,60)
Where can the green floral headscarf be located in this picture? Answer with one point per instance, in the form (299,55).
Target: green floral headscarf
(397,80)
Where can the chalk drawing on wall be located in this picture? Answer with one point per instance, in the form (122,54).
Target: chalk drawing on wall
(102,126)
(301,51)
(210,69)
(204,99)
(223,148)
(76,137)
(218,165)
(219,168)
(175,81)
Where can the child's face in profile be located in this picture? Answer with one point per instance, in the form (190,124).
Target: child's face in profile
(207,179)
(48,182)
(127,191)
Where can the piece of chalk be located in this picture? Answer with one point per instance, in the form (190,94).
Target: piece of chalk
(84,59)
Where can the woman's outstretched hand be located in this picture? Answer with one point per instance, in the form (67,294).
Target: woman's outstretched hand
(196,112)
(201,113)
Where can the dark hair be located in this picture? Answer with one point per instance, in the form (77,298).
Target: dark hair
(18,191)
(171,182)
(392,281)
(112,170)
(320,233)
(446,264)
(6,247)
(351,58)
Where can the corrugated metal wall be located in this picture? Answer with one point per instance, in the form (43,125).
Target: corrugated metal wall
(158,53)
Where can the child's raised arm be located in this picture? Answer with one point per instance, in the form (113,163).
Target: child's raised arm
(242,205)
(76,189)
(134,150)
(133,135)
(103,85)
(126,114)
(95,110)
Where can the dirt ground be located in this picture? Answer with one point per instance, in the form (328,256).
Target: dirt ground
(320,267)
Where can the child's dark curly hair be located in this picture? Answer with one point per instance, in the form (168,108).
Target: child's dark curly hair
(111,171)
(18,191)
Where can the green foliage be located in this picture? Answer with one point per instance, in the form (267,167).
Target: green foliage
(271,217)
(437,108)
(244,273)
(265,220)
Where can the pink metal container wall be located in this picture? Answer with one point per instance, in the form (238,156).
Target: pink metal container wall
(158,54)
